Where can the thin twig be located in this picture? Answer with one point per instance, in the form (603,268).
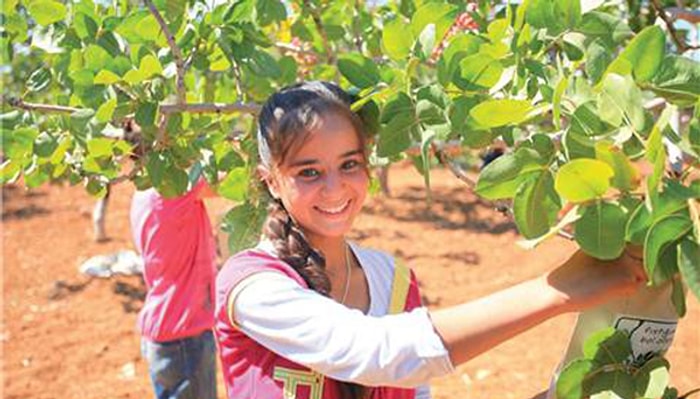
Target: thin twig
(19,103)
(681,44)
(177,54)
(211,108)
(321,31)
(238,79)
(295,49)
(132,173)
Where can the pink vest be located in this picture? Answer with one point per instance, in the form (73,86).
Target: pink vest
(250,370)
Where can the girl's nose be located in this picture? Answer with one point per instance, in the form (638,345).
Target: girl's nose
(332,184)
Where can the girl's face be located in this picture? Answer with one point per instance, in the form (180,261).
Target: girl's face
(324,182)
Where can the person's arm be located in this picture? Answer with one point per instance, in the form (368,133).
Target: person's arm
(307,328)
(408,349)
(472,328)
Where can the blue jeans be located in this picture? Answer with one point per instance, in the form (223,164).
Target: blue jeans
(184,368)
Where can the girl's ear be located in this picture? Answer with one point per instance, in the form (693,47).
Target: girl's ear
(267,177)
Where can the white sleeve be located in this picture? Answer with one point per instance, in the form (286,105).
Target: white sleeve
(401,350)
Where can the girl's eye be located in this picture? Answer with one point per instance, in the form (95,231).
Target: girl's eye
(350,165)
(308,173)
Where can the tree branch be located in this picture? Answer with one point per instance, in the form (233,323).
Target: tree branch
(294,49)
(321,31)
(211,108)
(177,54)
(680,43)
(19,103)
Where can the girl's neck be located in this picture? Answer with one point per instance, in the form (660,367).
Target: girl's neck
(333,249)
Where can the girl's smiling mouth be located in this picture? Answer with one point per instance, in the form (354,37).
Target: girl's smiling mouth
(337,210)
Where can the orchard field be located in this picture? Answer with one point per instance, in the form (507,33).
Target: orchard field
(66,336)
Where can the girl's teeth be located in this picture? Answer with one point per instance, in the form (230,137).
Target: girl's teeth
(334,210)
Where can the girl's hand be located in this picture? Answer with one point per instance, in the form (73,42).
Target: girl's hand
(583,282)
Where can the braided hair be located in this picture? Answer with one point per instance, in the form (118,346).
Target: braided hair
(285,123)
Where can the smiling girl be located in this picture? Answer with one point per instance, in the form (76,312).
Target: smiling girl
(308,314)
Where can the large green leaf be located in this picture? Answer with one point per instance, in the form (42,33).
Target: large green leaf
(600,231)
(495,113)
(663,205)
(397,41)
(652,378)
(46,12)
(359,70)
(689,265)
(441,14)
(19,143)
(243,224)
(478,72)
(235,185)
(583,180)
(39,80)
(611,384)
(535,205)
(644,53)
(626,176)
(502,177)
(620,102)
(661,234)
(571,379)
(395,136)
(678,80)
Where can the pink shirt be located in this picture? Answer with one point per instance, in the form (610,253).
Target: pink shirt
(253,371)
(175,238)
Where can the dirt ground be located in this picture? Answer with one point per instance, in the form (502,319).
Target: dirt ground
(67,336)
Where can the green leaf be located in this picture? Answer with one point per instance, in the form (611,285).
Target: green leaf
(46,12)
(39,80)
(689,265)
(429,113)
(678,297)
(146,114)
(651,380)
(263,64)
(613,384)
(10,171)
(235,185)
(495,113)
(502,177)
(150,66)
(96,58)
(396,40)
(478,72)
(106,110)
(270,11)
(106,77)
(134,77)
(678,80)
(645,53)
(661,234)
(607,346)
(395,136)
(535,205)
(85,26)
(597,60)
(600,232)
(665,204)
(243,223)
(626,176)
(358,70)
(19,143)
(620,101)
(174,183)
(572,377)
(610,29)
(100,147)
(583,180)
(586,121)
(438,13)
(45,145)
